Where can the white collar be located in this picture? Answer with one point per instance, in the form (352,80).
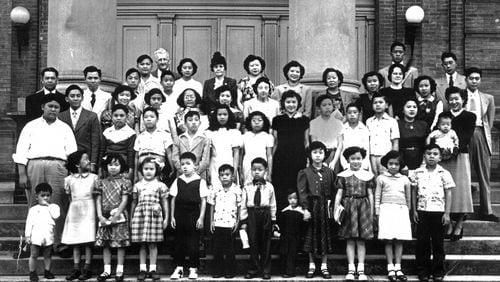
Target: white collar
(193,177)
(78,111)
(361,174)
(197,134)
(297,209)
(46,91)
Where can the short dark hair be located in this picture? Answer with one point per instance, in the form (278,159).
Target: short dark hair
(290,94)
(472,70)
(391,70)
(43,187)
(353,150)
(248,121)
(225,167)
(92,69)
(259,81)
(131,71)
(149,160)
(191,114)
(74,160)
(419,79)
(448,55)
(259,161)
(378,95)
(224,88)
(353,105)
(380,77)
(180,100)
(188,155)
(117,107)
(147,97)
(398,43)
(165,73)
(431,146)
(187,60)
(392,155)
(151,109)
(291,64)
(120,88)
(314,146)
(144,57)
(251,58)
(453,90)
(73,87)
(340,75)
(322,97)
(214,123)
(444,115)
(49,69)
(110,157)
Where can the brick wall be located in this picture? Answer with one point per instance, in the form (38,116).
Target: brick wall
(5,53)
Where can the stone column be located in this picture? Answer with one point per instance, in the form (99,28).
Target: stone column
(322,34)
(82,33)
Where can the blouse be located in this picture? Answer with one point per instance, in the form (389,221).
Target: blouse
(392,189)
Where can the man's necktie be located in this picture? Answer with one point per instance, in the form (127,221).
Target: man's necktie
(451,82)
(92,101)
(74,119)
(256,198)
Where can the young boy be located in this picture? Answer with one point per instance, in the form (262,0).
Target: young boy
(170,106)
(189,194)
(384,133)
(195,142)
(431,203)
(445,137)
(258,215)
(84,123)
(39,230)
(225,201)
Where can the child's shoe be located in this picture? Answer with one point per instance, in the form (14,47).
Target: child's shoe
(362,276)
(74,275)
(33,276)
(193,273)
(401,276)
(86,274)
(153,275)
(142,275)
(103,277)
(177,274)
(350,276)
(48,275)
(325,274)
(391,275)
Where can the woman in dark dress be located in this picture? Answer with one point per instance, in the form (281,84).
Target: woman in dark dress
(412,135)
(372,82)
(219,66)
(429,105)
(290,131)
(396,93)
(463,123)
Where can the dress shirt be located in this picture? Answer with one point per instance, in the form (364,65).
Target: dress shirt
(226,203)
(101,101)
(267,199)
(39,139)
(46,91)
(382,131)
(174,189)
(41,219)
(474,105)
(454,76)
(191,139)
(431,186)
(75,115)
(156,142)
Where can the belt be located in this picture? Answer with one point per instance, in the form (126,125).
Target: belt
(259,208)
(48,159)
(355,197)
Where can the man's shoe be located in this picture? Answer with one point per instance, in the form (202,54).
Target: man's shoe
(250,275)
(86,274)
(33,276)
(490,217)
(48,275)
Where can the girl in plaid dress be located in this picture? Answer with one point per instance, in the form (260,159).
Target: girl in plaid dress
(149,215)
(355,194)
(111,201)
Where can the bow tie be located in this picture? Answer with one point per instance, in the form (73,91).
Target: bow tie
(259,181)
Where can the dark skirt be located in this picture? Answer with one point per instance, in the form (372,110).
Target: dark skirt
(358,221)
(318,239)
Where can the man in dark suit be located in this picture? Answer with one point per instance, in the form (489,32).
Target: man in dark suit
(49,83)
(84,123)
(451,77)
(162,60)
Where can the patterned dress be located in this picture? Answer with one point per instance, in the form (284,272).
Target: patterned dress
(358,221)
(111,190)
(148,215)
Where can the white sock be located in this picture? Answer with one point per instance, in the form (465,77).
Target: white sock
(152,267)
(390,267)
(119,269)
(323,266)
(351,267)
(312,265)
(361,267)
(143,267)
(397,266)
(107,268)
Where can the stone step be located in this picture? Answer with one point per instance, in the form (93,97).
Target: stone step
(495,207)
(494,194)
(7,189)
(481,228)
(13,211)
(374,265)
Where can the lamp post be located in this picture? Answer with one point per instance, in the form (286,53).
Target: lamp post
(20,18)
(414,16)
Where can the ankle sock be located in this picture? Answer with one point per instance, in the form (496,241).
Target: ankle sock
(152,267)
(143,267)
(119,269)
(397,266)
(361,267)
(390,267)
(312,265)
(107,268)
(323,266)
(351,267)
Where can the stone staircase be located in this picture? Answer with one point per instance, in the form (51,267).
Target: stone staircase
(474,258)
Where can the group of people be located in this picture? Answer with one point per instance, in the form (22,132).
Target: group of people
(111,170)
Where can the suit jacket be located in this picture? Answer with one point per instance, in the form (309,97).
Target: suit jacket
(209,92)
(442,85)
(34,104)
(87,132)
(200,148)
(410,76)
(101,101)
(488,116)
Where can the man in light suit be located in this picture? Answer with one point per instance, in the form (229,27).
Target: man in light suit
(84,123)
(480,147)
(94,99)
(451,77)
(398,50)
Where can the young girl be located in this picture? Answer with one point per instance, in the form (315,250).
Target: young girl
(218,66)
(392,205)
(257,143)
(333,79)
(262,102)
(316,190)
(291,138)
(254,66)
(149,215)
(155,99)
(429,105)
(189,100)
(119,138)
(227,96)
(123,94)
(226,141)
(154,143)
(355,194)
(294,72)
(80,225)
(372,82)
(187,68)
(111,201)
